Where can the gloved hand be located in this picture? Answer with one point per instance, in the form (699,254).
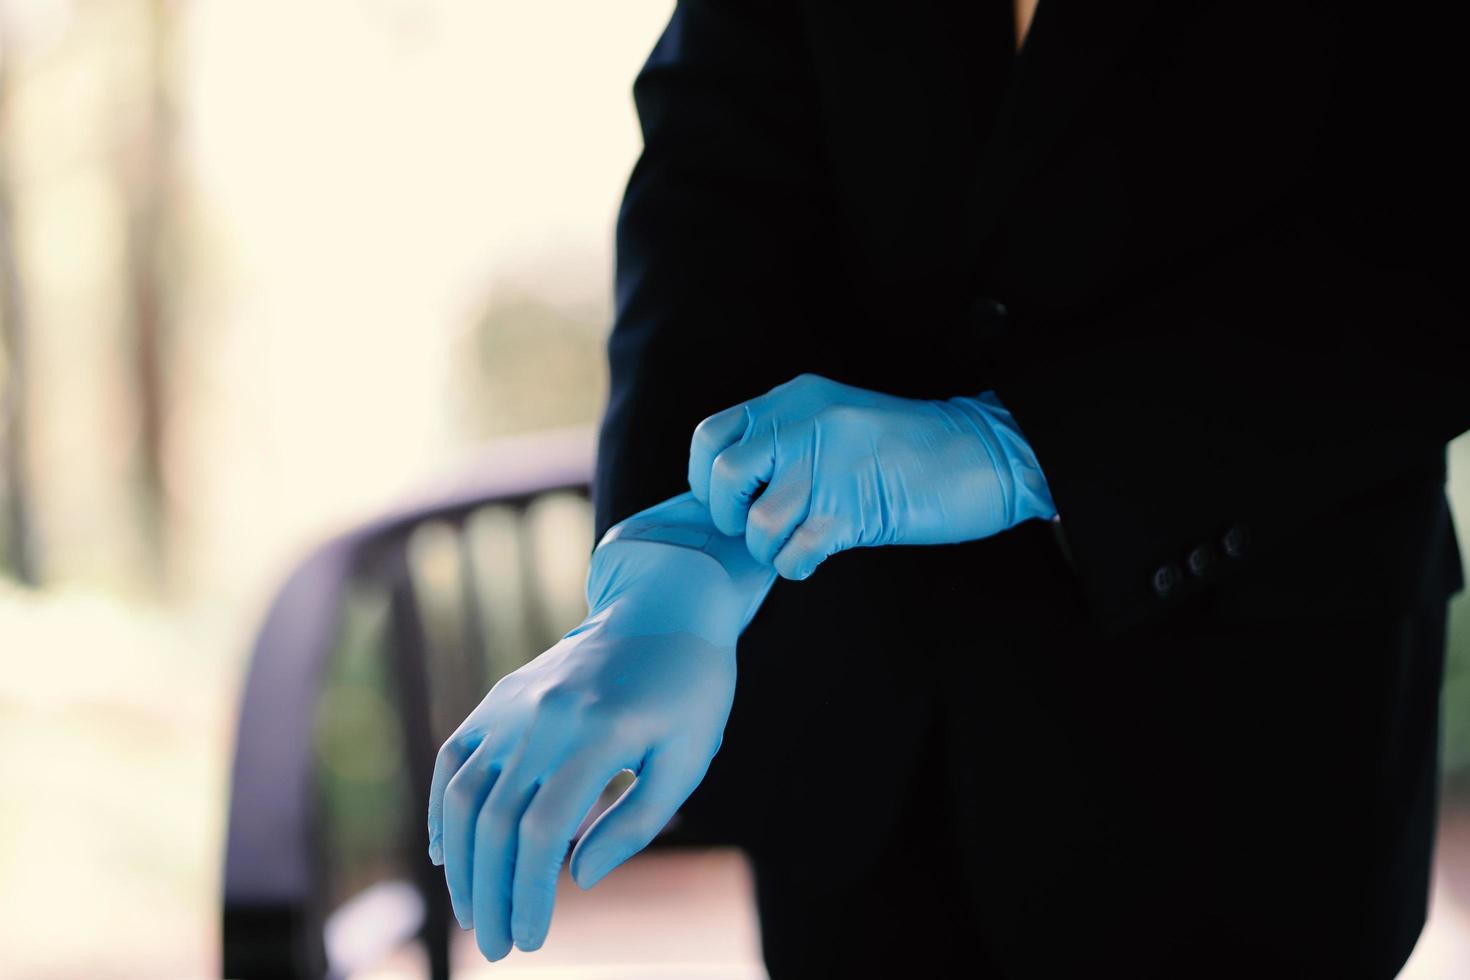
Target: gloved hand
(814,467)
(644,683)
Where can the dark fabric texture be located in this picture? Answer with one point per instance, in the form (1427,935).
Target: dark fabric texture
(1248,798)
(1206,254)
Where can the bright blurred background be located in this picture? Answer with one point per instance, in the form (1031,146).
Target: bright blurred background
(266,268)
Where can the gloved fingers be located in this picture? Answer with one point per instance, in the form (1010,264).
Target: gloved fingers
(546,831)
(451,757)
(712,437)
(776,515)
(494,863)
(817,539)
(665,779)
(496,840)
(464,795)
(736,478)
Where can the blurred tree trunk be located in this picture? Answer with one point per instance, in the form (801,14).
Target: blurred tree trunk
(20,556)
(148,175)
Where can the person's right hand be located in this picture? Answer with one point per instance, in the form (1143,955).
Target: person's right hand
(814,467)
(645,683)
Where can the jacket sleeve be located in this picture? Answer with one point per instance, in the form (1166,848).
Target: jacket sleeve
(1310,360)
(723,239)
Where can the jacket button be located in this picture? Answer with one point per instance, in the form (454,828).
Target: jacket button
(1166,579)
(1235,541)
(1200,561)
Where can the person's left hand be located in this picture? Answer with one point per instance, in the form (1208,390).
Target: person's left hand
(645,683)
(814,467)
(518,776)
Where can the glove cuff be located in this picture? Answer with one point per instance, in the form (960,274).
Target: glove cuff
(668,569)
(1023,484)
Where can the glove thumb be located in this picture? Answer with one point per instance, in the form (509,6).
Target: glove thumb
(628,826)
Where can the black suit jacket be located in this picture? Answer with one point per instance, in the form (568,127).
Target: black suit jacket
(1204,252)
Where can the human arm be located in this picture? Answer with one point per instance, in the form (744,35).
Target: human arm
(720,215)
(725,240)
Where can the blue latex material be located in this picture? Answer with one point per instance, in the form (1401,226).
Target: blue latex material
(644,683)
(814,467)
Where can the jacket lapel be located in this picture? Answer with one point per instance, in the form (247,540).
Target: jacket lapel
(1071,47)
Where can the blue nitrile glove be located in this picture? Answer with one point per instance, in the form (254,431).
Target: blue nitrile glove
(644,683)
(814,467)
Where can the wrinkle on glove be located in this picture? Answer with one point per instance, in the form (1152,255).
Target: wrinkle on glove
(680,522)
(814,467)
(645,683)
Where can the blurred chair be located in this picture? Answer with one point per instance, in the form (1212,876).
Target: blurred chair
(284,913)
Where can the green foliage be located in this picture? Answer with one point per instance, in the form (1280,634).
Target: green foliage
(1455,747)
(362,774)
